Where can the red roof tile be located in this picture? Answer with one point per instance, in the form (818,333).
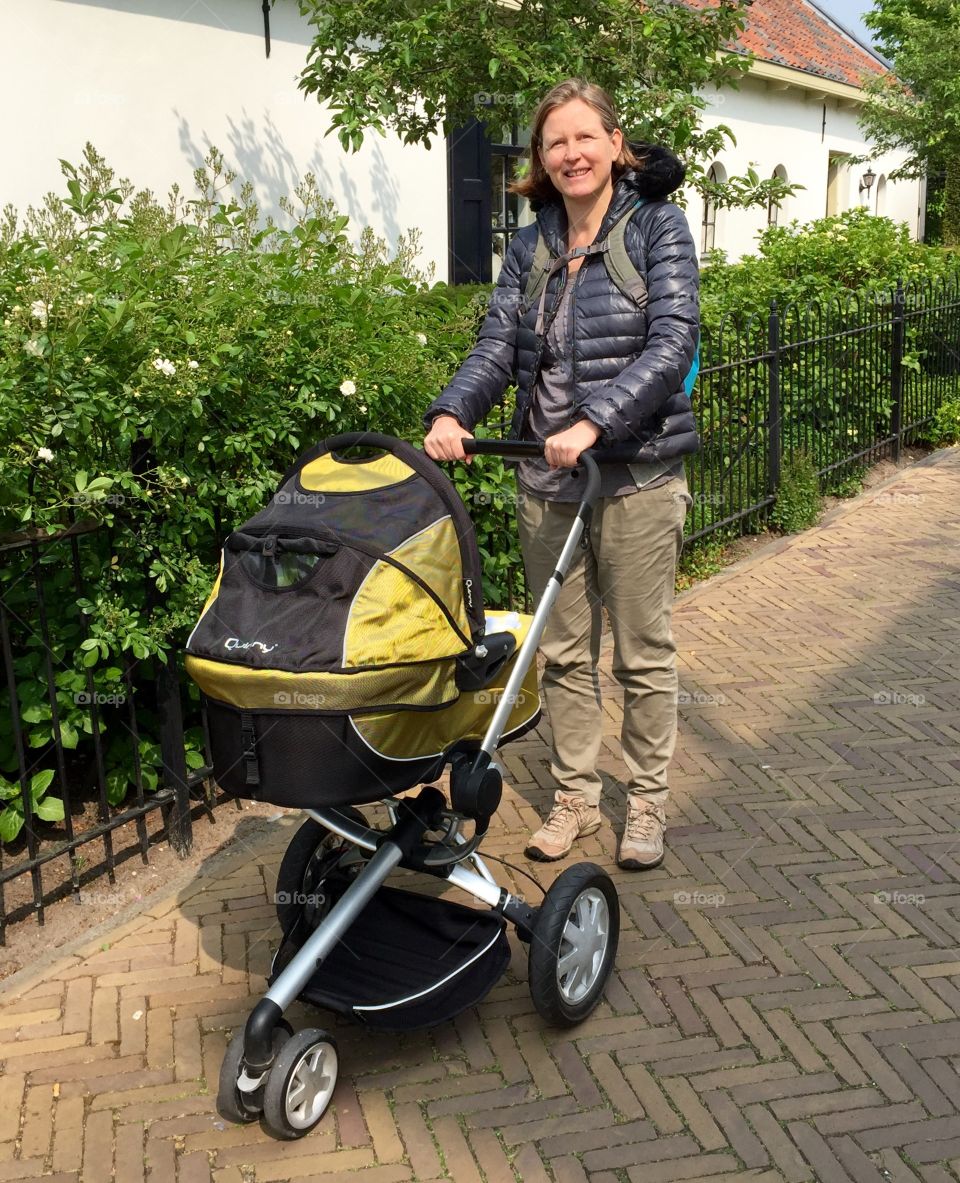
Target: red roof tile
(794,33)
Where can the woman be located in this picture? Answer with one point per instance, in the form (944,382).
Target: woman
(596,368)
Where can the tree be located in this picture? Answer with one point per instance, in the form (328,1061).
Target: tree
(916,108)
(419,67)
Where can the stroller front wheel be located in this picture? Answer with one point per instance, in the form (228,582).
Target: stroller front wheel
(234,1103)
(574,944)
(301,1084)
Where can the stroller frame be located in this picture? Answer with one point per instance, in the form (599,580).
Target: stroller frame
(289,1079)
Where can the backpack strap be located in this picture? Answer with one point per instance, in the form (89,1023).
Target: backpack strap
(539,273)
(620,267)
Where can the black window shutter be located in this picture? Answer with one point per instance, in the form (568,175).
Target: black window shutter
(468,202)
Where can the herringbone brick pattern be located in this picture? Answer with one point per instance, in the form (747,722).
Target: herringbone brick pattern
(786,1004)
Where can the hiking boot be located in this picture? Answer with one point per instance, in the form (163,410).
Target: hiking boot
(642,844)
(570,818)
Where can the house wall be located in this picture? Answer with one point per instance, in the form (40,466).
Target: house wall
(154,83)
(790,128)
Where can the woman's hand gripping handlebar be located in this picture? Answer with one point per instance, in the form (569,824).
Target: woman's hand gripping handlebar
(525,450)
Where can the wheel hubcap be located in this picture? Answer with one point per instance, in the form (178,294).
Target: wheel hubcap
(583,946)
(311,1085)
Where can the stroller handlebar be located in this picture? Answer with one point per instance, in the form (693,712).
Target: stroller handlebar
(525,449)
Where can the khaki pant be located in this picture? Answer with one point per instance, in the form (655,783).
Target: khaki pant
(629,568)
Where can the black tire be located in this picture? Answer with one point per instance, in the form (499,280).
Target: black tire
(301,1084)
(233,1104)
(315,871)
(584,892)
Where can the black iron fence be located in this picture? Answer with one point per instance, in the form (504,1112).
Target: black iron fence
(105,747)
(844,383)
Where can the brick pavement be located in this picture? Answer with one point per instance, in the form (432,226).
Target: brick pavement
(786,1005)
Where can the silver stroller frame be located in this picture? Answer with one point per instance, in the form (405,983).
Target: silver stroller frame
(292,1087)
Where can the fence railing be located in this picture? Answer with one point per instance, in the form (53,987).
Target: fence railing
(844,382)
(56,719)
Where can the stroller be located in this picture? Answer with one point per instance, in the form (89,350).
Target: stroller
(345,657)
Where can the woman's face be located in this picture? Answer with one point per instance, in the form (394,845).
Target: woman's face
(577,153)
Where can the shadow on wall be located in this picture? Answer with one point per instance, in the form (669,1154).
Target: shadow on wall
(217,14)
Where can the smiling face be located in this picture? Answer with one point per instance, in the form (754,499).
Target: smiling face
(577,152)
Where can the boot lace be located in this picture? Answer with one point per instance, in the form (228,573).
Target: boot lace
(642,824)
(559,819)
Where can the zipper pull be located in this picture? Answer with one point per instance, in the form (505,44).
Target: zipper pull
(270,546)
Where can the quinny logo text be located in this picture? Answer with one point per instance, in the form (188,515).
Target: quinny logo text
(236,643)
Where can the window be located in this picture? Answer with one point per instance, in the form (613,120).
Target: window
(838,178)
(708,234)
(483,216)
(881,196)
(773,209)
(508,211)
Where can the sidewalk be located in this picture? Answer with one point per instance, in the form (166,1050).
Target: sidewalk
(779,978)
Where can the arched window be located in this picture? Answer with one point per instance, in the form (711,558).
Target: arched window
(881,196)
(708,234)
(774,210)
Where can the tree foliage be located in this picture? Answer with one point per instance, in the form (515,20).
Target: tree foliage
(422,67)
(916,107)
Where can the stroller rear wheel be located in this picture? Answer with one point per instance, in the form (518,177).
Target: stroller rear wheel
(234,1103)
(574,944)
(301,1083)
(316,869)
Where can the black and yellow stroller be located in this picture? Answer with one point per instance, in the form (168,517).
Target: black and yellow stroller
(345,657)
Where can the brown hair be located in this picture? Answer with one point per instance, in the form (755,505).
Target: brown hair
(536,184)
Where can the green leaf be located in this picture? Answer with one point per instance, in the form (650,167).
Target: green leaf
(39,783)
(493,66)
(11,823)
(81,481)
(50,809)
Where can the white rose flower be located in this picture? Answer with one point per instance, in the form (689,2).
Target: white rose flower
(422,338)
(38,310)
(44,454)
(164,366)
(33,347)
(347,387)
(193,365)
(363,408)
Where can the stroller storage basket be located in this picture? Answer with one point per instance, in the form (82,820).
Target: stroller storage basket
(332,649)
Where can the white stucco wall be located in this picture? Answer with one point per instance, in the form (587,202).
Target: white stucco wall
(786,127)
(153,83)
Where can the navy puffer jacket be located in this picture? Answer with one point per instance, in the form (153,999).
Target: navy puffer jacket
(632,366)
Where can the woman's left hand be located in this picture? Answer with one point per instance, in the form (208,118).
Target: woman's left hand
(563,449)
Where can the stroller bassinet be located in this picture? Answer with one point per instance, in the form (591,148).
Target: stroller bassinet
(338,649)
